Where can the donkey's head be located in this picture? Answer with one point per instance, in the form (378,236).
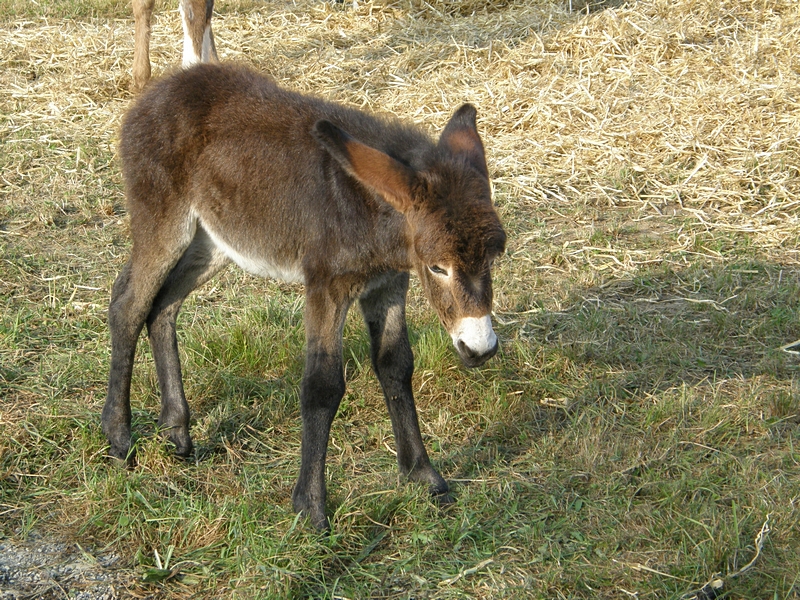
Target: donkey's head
(454,231)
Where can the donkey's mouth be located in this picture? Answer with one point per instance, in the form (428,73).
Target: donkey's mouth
(472,359)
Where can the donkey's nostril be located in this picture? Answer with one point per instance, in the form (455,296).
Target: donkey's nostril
(466,351)
(473,358)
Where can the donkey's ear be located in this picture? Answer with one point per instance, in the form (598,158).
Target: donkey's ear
(460,137)
(378,171)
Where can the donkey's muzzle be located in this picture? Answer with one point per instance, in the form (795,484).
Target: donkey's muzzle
(475,340)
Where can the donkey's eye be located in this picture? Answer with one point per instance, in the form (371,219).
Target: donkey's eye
(437,270)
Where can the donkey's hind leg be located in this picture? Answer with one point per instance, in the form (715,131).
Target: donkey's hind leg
(384,311)
(197,265)
(131,300)
(142,12)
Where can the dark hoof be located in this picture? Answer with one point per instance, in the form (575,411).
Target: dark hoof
(179,438)
(319,521)
(321,524)
(317,518)
(125,458)
(313,512)
(183,451)
(442,499)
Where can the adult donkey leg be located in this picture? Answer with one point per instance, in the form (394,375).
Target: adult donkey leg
(198,38)
(321,391)
(197,265)
(384,311)
(142,11)
(131,300)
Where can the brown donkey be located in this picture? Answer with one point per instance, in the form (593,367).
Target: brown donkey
(221,165)
(198,39)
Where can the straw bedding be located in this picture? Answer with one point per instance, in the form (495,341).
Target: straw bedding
(684,109)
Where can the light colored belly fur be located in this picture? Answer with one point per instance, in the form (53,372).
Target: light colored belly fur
(255,264)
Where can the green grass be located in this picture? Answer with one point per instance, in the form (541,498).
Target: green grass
(635,431)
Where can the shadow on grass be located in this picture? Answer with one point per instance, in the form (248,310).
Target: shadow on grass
(666,328)
(631,339)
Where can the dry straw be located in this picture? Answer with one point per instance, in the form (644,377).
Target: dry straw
(682,108)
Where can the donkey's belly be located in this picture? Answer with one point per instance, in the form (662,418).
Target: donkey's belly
(258,263)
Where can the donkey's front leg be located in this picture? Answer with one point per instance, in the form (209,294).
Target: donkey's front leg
(320,393)
(384,311)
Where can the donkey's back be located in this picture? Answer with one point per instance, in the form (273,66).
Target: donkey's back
(221,165)
(228,149)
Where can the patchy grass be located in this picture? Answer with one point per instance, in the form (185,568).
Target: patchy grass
(640,423)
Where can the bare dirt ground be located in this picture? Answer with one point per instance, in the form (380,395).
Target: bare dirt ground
(44,569)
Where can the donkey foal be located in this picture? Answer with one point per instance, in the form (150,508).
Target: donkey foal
(220,165)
